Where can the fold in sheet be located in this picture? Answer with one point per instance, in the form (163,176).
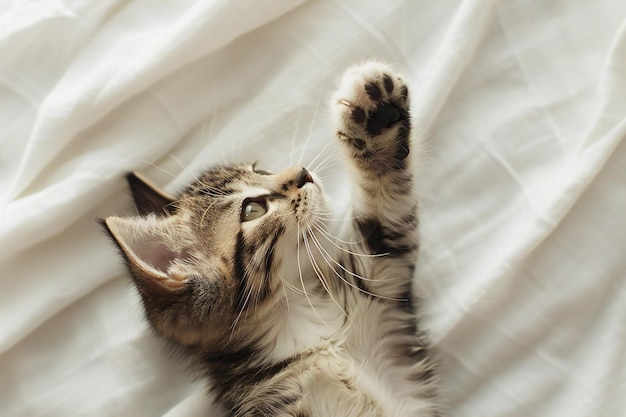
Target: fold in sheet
(520,110)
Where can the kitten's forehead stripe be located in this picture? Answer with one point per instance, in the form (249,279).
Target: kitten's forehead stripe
(219,181)
(212,191)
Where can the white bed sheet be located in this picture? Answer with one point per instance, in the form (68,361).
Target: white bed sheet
(522,109)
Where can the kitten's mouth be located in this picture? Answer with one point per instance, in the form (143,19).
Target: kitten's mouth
(312,178)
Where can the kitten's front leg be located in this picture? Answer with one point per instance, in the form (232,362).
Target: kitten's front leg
(371,111)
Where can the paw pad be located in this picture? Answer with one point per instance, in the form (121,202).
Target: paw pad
(371,109)
(383,116)
(371,99)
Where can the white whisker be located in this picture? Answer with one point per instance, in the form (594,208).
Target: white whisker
(331,219)
(204,213)
(318,272)
(327,257)
(306,295)
(293,288)
(180,164)
(293,138)
(159,168)
(328,237)
(308,137)
(320,153)
(325,163)
(241,310)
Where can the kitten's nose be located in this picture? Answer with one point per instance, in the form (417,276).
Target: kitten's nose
(303,177)
(293,178)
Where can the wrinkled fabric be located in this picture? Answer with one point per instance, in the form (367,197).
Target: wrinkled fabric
(520,108)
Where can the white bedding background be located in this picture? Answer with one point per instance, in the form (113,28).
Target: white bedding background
(522,104)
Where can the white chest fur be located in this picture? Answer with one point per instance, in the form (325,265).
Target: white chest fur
(355,370)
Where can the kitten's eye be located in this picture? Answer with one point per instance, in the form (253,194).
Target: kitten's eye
(253,209)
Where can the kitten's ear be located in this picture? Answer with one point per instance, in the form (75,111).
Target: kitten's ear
(156,267)
(148,198)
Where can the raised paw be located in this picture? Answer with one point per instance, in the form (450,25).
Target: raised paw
(371,111)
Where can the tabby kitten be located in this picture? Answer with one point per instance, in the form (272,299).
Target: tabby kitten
(240,273)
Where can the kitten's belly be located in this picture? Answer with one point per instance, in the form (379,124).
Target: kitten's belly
(364,373)
(396,393)
(344,386)
(376,348)
(359,368)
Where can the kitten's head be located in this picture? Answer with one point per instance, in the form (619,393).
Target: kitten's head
(208,263)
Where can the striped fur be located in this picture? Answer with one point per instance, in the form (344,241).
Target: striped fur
(282,317)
